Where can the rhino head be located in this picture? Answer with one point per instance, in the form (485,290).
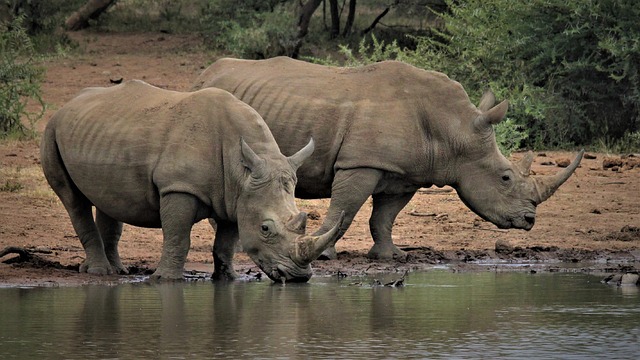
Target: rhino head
(493,187)
(271,228)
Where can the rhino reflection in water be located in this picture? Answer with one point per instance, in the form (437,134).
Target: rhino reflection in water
(156,158)
(386,130)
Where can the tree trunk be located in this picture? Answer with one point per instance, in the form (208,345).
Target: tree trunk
(375,21)
(304,19)
(335,19)
(350,18)
(91,10)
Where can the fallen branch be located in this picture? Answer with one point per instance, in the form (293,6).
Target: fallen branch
(417,213)
(494,230)
(23,254)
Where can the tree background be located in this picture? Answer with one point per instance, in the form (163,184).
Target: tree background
(569,69)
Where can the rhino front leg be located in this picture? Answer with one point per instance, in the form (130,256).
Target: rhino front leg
(178,213)
(386,208)
(350,189)
(224,247)
(110,231)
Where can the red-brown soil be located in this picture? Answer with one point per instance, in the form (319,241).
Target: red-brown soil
(595,216)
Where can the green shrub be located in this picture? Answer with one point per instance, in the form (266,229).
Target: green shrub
(20,80)
(252,29)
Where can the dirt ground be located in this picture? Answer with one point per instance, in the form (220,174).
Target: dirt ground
(592,221)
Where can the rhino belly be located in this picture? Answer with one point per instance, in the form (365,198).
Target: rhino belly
(124,193)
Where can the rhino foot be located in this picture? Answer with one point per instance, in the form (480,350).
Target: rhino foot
(119,269)
(386,252)
(329,254)
(228,275)
(96,269)
(166,275)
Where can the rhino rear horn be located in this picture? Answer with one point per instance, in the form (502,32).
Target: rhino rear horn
(298,223)
(251,160)
(547,185)
(312,246)
(298,158)
(524,165)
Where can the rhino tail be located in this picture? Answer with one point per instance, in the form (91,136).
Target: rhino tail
(54,168)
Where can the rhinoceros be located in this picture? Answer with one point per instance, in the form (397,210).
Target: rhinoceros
(157,158)
(385,130)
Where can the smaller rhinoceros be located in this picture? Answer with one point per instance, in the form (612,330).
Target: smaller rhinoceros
(157,158)
(384,130)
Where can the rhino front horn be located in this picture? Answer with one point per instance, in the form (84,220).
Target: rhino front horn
(547,185)
(311,247)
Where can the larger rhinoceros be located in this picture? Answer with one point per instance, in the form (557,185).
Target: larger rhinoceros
(157,158)
(386,130)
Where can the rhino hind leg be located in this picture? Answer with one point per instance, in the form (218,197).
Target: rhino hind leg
(178,213)
(81,215)
(224,247)
(350,189)
(386,208)
(77,205)
(110,231)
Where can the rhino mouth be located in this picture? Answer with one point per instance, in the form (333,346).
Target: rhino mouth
(296,274)
(524,222)
(284,273)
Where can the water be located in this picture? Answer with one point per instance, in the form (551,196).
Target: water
(438,314)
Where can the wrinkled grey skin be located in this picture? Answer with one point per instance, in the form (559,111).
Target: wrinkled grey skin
(386,130)
(156,158)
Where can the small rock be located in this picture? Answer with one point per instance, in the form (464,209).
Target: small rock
(563,162)
(629,279)
(547,163)
(542,154)
(610,162)
(613,279)
(503,247)
(631,162)
(590,156)
(313,215)
(596,211)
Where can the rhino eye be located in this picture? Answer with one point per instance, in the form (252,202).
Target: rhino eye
(267,228)
(506,178)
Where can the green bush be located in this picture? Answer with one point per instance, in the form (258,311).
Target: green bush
(20,80)
(574,62)
(252,29)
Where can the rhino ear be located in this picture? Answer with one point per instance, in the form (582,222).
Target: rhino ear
(487,101)
(492,116)
(251,160)
(298,158)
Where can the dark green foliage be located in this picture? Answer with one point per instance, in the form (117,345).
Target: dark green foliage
(43,19)
(20,80)
(250,29)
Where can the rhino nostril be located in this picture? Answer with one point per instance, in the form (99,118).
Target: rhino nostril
(530,219)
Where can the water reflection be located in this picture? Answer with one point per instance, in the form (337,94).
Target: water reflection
(436,314)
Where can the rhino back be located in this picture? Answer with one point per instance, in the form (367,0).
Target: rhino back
(380,116)
(124,146)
